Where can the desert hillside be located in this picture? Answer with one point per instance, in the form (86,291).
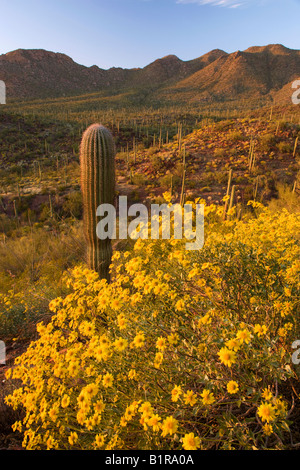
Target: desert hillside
(258,73)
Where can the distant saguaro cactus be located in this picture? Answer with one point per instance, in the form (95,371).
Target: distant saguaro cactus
(97,163)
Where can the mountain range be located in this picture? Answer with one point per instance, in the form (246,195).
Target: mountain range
(259,73)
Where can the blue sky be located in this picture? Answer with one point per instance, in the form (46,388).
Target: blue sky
(133,33)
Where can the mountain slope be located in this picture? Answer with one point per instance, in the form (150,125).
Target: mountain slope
(38,73)
(256,73)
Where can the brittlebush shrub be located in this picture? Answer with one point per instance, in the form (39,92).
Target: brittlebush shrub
(183,350)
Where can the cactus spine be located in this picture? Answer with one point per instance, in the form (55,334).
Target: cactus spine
(97,163)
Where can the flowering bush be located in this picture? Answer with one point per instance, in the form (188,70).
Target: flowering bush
(182,350)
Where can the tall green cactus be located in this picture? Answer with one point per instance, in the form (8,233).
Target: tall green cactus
(97,163)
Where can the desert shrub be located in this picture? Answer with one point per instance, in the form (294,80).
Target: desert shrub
(156,162)
(220,152)
(23,203)
(223,125)
(8,416)
(183,349)
(285,147)
(73,206)
(45,212)
(165,181)
(241,180)
(31,269)
(221,176)
(267,141)
(139,179)
(235,136)
(286,199)
(6,225)
(282,125)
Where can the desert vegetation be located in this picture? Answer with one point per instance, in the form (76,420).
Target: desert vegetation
(175,349)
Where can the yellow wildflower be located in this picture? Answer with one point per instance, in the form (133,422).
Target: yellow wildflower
(65,401)
(116,304)
(107,380)
(266,412)
(99,406)
(190,398)
(139,340)
(179,305)
(244,336)
(132,374)
(120,344)
(176,392)
(267,394)
(122,322)
(227,356)
(99,441)
(158,359)
(233,344)
(154,422)
(161,344)
(232,387)
(190,442)
(207,397)
(205,320)
(267,429)
(260,330)
(169,426)
(146,409)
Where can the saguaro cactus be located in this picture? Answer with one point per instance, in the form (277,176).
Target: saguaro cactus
(97,163)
